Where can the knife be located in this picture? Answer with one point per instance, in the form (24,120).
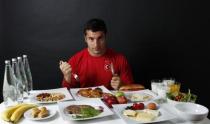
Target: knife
(112,68)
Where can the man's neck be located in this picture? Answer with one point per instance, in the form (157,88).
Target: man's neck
(96,55)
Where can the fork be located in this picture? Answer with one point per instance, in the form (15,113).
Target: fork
(76,77)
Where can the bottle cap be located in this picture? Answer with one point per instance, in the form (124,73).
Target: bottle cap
(24,56)
(19,57)
(14,59)
(7,61)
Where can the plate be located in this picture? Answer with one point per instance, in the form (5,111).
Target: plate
(191,111)
(164,115)
(28,115)
(79,97)
(144,95)
(95,102)
(63,91)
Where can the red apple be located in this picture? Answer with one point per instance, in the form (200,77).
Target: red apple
(111,100)
(106,96)
(122,100)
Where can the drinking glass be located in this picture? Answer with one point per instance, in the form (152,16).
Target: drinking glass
(168,81)
(175,88)
(155,84)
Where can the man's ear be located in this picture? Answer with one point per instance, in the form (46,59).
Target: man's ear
(85,38)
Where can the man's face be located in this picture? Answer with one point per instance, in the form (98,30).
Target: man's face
(96,42)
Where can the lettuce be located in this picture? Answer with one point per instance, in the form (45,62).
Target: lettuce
(185,97)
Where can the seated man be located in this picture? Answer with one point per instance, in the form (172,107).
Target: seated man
(96,65)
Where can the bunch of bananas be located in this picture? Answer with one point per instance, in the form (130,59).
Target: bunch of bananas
(14,113)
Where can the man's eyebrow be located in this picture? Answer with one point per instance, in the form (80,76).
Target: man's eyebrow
(99,37)
(91,38)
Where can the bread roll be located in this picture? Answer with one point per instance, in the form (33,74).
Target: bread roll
(131,87)
(35,112)
(43,112)
(43,109)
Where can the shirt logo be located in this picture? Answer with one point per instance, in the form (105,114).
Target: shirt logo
(107,64)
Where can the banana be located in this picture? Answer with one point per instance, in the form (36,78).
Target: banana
(6,114)
(16,115)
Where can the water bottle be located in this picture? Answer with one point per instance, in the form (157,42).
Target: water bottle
(28,73)
(9,90)
(23,76)
(19,84)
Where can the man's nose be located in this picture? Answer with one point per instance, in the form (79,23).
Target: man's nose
(96,43)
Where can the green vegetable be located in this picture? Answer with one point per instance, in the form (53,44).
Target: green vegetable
(88,112)
(182,97)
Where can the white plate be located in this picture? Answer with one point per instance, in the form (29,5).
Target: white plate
(79,97)
(191,111)
(95,102)
(27,115)
(164,115)
(146,92)
(59,90)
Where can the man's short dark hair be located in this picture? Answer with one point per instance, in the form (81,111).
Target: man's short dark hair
(95,25)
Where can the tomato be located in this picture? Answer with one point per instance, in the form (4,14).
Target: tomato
(178,98)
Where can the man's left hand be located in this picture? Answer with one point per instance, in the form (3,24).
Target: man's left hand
(115,82)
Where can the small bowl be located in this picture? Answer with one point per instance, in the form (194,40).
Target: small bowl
(191,111)
(173,102)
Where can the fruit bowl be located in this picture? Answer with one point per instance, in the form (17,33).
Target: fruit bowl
(191,111)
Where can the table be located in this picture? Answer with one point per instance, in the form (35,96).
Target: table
(114,119)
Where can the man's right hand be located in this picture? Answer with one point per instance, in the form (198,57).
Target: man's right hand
(66,70)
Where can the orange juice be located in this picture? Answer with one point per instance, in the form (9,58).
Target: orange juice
(174,88)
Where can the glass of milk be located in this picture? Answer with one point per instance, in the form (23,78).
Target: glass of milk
(155,85)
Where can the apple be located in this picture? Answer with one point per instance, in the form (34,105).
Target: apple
(119,93)
(106,96)
(111,100)
(122,100)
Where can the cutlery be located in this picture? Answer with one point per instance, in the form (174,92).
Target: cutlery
(76,77)
(112,68)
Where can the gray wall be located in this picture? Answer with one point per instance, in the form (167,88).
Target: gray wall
(160,39)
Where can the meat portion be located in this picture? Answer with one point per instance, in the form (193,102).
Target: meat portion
(76,109)
(91,93)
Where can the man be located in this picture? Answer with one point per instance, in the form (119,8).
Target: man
(96,65)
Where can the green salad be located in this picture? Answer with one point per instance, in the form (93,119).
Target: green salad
(88,112)
(182,97)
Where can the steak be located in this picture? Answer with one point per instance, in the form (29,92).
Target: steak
(76,109)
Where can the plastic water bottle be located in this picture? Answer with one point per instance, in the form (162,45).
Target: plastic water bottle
(9,90)
(28,73)
(17,76)
(23,76)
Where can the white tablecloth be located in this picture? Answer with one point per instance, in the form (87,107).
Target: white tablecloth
(114,119)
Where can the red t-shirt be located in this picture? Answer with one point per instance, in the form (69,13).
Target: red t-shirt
(95,71)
